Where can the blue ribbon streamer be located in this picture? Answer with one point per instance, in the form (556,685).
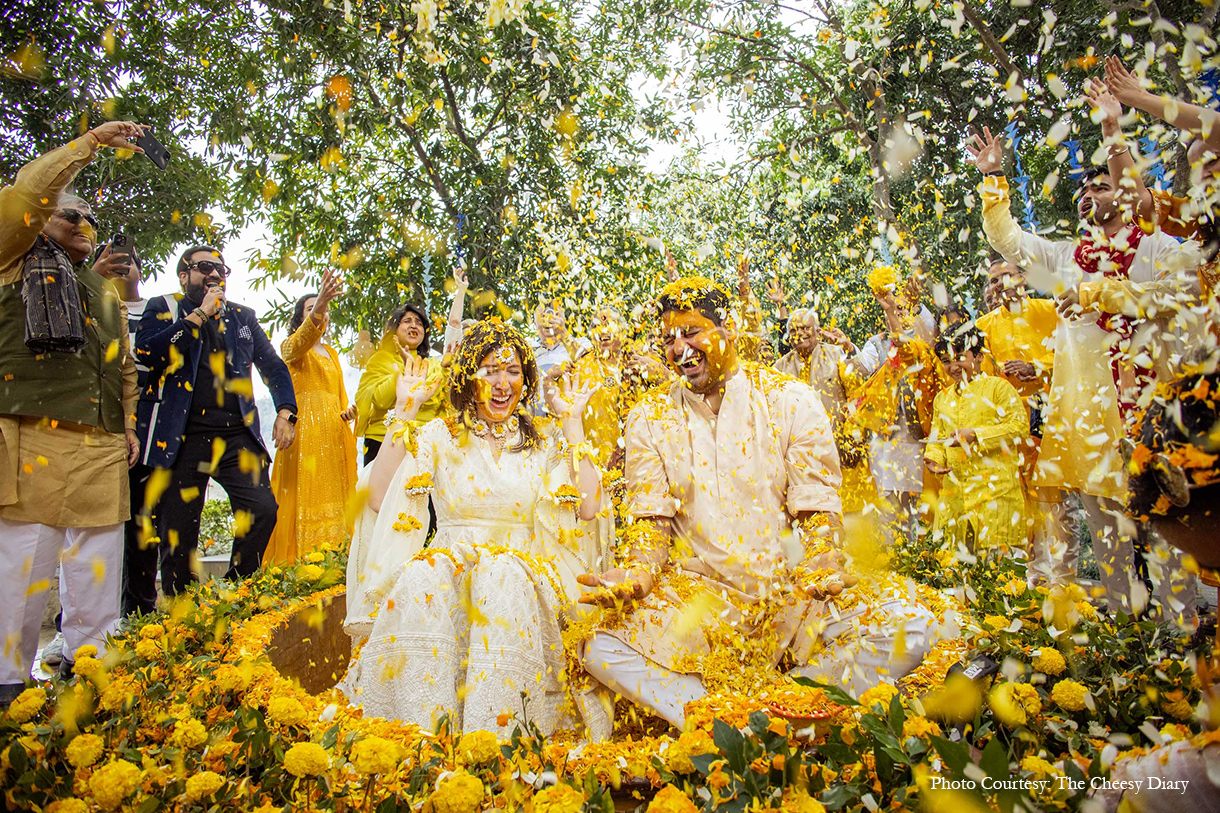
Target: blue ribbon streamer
(1021,181)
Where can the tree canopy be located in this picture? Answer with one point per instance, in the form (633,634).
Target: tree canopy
(521,139)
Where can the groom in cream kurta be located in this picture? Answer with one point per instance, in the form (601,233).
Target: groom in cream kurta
(719,469)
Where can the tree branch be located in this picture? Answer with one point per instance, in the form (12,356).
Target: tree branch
(989,39)
(455,115)
(430,168)
(491,123)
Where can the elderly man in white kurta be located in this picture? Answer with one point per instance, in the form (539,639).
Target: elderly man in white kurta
(816,362)
(727,471)
(1125,298)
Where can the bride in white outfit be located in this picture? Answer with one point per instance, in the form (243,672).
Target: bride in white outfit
(469,624)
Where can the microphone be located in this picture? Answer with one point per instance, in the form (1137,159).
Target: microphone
(220,312)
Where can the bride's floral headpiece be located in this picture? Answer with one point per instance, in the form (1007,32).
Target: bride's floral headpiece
(486,337)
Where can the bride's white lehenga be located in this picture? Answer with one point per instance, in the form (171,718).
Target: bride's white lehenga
(468,625)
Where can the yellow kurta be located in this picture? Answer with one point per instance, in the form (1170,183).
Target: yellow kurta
(67,475)
(375,395)
(981,504)
(1024,334)
(313,477)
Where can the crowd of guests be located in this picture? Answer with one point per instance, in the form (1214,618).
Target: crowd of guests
(117,411)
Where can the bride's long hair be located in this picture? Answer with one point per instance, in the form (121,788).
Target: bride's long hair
(481,339)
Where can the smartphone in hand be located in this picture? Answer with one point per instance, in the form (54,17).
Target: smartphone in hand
(154,149)
(122,244)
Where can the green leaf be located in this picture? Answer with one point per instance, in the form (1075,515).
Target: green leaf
(955,755)
(898,715)
(759,722)
(730,741)
(703,762)
(833,692)
(835,798)
(17,758)
(149,805)
(994,760)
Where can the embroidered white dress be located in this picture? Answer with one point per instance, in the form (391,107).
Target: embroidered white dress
(469,624)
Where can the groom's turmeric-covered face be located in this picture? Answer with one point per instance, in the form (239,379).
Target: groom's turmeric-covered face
(698,349)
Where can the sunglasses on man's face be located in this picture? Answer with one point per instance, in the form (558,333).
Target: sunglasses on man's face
(207,269)
(74,216)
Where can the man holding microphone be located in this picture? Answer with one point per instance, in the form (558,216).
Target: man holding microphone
(197,418)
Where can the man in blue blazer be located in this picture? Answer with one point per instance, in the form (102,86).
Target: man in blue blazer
(197,419)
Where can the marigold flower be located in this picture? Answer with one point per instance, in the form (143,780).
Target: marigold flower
(798,800)
(87,667)
(115,695)
(478,747)
(287,711)
(306,759)
(315,557)
(559,799)
(188,733)
(152,631)
(84,750)
(113,783)
(229,678)
(920,727)
(503,718)
(1050,662)
(1038,765)
(1069,695)
(881,693)
(375,755)
(1014,703)
(309,573)
(996,622)
(27,704)
(718,779)
(689,744)
(671,800)
(148,649)
(69,805)
(85,651)
(459,792)
(1176,705)
(202,785)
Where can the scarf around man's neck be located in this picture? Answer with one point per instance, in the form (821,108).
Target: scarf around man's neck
(54,316)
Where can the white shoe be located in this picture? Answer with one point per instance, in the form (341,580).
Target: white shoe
(53,653)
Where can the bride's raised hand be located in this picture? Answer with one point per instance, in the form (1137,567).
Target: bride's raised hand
(568,404)
(413,388)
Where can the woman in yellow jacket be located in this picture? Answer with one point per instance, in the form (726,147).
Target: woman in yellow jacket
(313,477)
(406,335)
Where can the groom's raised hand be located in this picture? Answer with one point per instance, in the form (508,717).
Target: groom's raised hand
(616,586)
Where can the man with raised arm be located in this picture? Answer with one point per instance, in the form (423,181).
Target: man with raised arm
(1120,291)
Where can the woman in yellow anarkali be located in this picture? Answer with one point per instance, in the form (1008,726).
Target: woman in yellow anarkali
(313,477)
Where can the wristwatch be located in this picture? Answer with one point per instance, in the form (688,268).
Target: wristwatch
(292,418)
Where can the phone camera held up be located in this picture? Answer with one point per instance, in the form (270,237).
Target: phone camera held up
(123,244)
